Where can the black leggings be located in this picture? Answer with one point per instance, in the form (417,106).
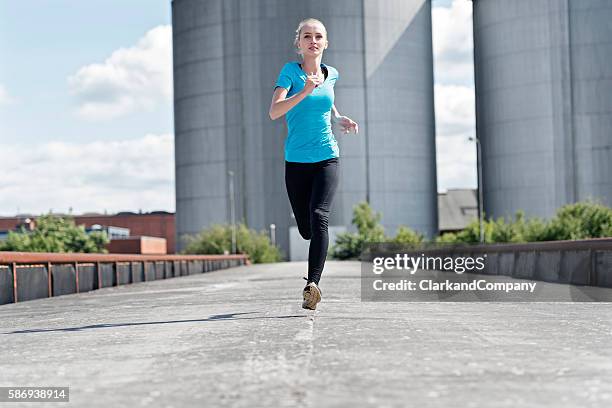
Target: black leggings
(311,188)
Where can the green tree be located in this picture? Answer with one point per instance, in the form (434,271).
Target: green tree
(218,240)
(350,245)
(55,234)
(368,223)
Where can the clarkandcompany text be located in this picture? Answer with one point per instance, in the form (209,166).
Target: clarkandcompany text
(432,285)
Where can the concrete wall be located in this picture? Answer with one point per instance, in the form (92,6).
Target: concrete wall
(581,262)
(227,55)
(543,73)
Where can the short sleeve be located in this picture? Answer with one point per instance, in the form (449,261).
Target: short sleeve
(284,79)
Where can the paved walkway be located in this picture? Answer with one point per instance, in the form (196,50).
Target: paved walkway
(240,338)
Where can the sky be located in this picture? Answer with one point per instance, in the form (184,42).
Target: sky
(86,104)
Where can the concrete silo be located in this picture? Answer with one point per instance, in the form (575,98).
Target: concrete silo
(543,72)
(227,56)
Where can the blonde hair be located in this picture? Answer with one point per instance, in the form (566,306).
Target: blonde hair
(296,41)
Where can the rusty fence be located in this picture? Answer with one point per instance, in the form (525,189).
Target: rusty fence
(29,275)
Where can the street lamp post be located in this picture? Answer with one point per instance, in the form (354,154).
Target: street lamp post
(480,200)
(273,234)
(232,210)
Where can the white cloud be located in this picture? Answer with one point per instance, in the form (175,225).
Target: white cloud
(453,43)
(455,110)
(131,79)
(117,175)
(5,98)
(456,161)
(456,156)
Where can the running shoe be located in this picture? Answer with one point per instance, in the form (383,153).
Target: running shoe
(312,296)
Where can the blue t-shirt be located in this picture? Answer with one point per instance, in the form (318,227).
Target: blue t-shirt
(310,138)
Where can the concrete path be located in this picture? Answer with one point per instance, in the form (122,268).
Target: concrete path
(240,338)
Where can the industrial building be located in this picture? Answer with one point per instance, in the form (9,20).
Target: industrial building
(543,77)
(227,56)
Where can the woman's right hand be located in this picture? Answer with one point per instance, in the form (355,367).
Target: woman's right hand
(312,81)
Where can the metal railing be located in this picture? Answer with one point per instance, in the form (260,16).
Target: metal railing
(34,275)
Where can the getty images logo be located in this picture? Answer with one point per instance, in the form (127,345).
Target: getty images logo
(411,263)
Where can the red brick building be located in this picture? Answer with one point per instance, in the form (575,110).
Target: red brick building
(155,224)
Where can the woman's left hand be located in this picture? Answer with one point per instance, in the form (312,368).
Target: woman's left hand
(347,124)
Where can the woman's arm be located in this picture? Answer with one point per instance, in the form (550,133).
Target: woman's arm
(281,104)
(345,122)
(335,114)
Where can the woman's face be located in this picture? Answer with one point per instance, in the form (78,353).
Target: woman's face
(313,40)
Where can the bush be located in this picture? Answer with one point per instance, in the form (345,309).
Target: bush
(218,240)
(55,234)
(573,221)
(349,245)
(494,231)
(579,221)
(407,236)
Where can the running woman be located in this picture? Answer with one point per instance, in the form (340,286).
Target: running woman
(305,93)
